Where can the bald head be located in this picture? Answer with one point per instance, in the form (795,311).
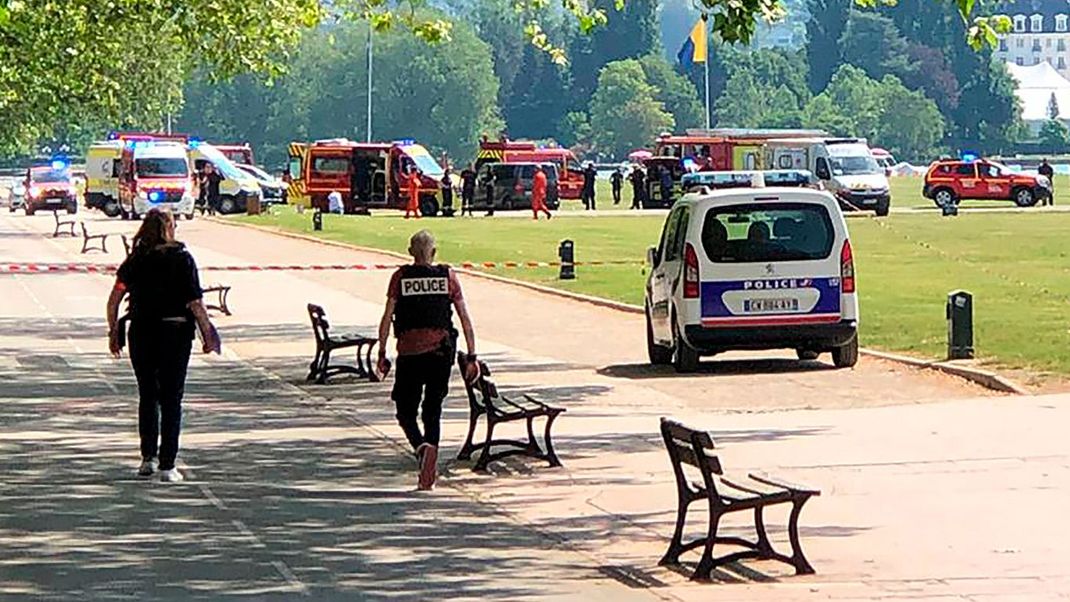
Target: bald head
(422,247)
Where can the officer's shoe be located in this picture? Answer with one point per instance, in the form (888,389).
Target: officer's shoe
(428,455)
(147,467)
(171,476)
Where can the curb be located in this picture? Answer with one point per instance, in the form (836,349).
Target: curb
(984,378)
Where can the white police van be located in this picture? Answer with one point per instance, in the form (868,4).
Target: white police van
(752,268)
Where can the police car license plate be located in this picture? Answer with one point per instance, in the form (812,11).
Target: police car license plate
(761,306)
(53,201)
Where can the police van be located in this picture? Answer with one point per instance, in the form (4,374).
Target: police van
(752,268)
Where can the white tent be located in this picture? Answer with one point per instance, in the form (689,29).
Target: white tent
(1036,84)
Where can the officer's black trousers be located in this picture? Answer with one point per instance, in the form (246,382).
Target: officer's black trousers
(159,352)
(425,378)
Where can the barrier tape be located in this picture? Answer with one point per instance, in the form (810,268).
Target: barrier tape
(100,268)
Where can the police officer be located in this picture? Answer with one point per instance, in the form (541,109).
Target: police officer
(165,305)
(638,179)
(588,187)
(617,182)
(420,303)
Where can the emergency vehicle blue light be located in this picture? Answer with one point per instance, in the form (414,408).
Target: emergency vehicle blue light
(194,142)
(129,143)
(154,196)
(969,156)
(405,141)
(113,135)
(140,143)
(58,164)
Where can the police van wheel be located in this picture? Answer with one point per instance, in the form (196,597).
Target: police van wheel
(684,358)
(807,354)
(659,355)
(111,209)
(846,356)
(227,205)
(428,207)
(883,208)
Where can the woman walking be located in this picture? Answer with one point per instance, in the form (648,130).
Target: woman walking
(165,306)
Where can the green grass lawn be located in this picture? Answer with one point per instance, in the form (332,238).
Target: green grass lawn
(1015,264)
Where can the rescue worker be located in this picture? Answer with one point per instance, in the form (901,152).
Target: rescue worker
(212,178)
(468,189)
(638,179)
(588,187)
(419,303)
(447,192)
(413,188)
(165,306)
(488,187)
(538,193)
(1047,171)
(616,180)
(666,185)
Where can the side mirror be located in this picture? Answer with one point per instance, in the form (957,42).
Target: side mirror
(652,257)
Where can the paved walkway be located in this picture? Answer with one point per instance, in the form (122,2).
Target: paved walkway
(931,489)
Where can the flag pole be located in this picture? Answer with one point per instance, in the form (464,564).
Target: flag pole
(368,127)
(706,65)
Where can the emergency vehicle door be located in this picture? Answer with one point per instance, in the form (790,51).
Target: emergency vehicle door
(994,184)
(668,273)
(329,171)
(968,182)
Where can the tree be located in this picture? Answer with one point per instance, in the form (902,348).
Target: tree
(90,61)
(1053,107)
(574,129)
(823,114)
(827,22)
(932,73)
(911,125)
(1054,135)
(624,113)
(859,97)
(749,103)
(450,86)
(988,117)
(872,42)
(632,32)
(675,91)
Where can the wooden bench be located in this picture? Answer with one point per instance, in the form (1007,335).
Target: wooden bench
(64,227)
(695,448)
(221,291)
(321,368)
(89,241)
(484,400)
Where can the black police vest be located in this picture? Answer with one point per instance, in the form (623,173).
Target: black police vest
(423,298)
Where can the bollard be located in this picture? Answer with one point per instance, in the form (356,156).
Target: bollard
(949,210)
(959,325)
(317,220)
(566,252)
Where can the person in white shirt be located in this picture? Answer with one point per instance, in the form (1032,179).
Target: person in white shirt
(334,202)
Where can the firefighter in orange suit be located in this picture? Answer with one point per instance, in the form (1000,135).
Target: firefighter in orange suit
(413,206)
(538,194)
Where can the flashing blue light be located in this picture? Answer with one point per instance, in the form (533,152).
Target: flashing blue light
(140,143)
(969,156)
(405,142)
(113,135)
(154,196)
(194,142)
(59,164)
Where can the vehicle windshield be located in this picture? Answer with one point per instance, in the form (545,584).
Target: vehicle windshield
(257,172)
(762,232)
(161,167)
(857,165)
(50,176)
(222,164)
(426,164)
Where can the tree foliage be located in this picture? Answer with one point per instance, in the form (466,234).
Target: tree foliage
(624,113)
(675,91)
(1054,135)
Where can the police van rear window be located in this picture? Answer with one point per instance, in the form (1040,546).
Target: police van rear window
(762,232)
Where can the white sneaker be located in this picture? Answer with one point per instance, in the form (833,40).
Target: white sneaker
(171,476)
(147,468)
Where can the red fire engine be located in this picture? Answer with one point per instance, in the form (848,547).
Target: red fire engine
(237,153)
(569,171)
(380,168)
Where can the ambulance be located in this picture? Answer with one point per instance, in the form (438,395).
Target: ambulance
(319,168)
(155,174)
(102,176)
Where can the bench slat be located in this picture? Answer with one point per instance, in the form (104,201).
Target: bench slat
(783,484)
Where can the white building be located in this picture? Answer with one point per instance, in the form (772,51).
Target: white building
(1041,34)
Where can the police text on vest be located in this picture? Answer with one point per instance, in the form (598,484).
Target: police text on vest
(424,286)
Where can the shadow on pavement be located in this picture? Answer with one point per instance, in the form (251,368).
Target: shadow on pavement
(716,368)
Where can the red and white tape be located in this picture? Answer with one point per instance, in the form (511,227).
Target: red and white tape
(100,268)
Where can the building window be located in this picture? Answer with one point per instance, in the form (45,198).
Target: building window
(1036,45)
(1036,23)
(1021,43)
(1047,43)
(1061,46)
(1018,61)
(1019,23)
(1060,22)
(1062,64)
(1036,60)
(1003,45)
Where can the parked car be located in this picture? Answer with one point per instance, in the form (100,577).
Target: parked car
(512,186)
(272,189)
(752,268)
(951,182)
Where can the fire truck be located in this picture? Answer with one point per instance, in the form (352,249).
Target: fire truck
(155,174)
(367,175)
(241,154)
(725,149)
(569,171)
